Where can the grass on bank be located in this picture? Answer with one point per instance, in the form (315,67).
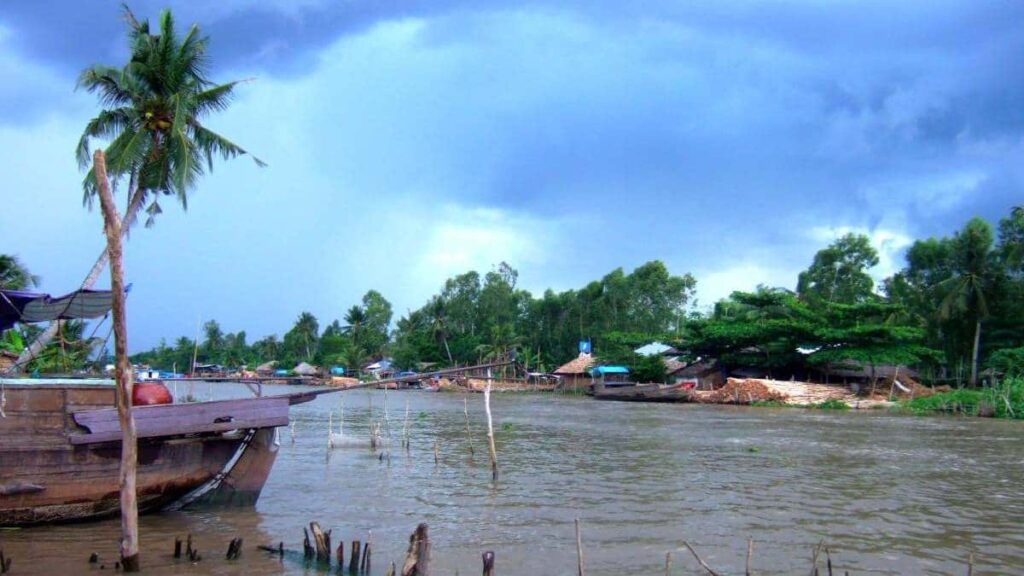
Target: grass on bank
(1004,400)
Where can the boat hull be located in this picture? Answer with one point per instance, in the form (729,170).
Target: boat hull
(643,393)
(45,477)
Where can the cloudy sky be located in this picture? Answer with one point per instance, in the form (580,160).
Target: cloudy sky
(408,142)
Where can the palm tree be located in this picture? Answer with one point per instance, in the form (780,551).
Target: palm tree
(14,275)
(439,324)
(154,107)
(356,318)
(967,291)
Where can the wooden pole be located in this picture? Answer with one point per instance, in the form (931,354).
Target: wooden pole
(469,437)
(700,560)
(579,549)
(122,371)
(490,433)
(750,556)
(668,563)
(417,558)
(488,563)
(405,427)
(322,542)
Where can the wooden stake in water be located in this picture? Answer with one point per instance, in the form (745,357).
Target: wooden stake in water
(417,558)
(488,558)
(405,427)
(668,563)
(387,426)
(469,437)
(490,432)
(579,549)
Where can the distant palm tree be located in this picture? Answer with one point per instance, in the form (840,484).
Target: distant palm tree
(14,275)
(967,291)
(439,324)
(155,105)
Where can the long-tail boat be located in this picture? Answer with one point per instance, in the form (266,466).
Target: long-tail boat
(60,440)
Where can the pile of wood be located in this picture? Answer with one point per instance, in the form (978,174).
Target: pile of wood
(740,391)
(343,381)
(805,393)
(901,387)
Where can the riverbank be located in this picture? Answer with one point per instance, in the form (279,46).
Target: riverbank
(1004,400)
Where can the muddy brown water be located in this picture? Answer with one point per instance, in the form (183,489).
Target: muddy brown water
(889,494)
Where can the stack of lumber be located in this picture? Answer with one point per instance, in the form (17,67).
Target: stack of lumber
(804,393)
(343,381)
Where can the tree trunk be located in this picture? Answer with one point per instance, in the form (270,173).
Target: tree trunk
(974,354)
(45,336)
(449,352)
(123,374)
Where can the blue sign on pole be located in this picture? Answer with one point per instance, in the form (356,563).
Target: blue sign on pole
(584,346)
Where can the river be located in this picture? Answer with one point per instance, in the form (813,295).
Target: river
(889,494)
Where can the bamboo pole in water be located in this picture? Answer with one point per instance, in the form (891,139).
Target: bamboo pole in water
(579,550)
(469,437)
(490,433)
(123,374)
(405,427)
(700,560)
(387,426)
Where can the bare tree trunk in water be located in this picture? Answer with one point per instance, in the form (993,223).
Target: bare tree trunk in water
(974,354)
(45,336)
(123,374)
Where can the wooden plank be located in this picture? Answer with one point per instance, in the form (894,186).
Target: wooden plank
(180,419)
(34,400)
(98,421)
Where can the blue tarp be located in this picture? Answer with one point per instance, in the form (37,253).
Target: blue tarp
(337,371)
(602,370)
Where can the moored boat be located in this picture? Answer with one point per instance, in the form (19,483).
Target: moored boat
(644,392)
(60,450)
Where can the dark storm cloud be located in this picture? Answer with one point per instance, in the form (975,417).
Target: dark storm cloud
(589,134)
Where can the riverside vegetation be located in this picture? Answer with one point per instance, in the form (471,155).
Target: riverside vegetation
(955,311)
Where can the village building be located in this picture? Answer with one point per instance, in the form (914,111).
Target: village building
(575,373)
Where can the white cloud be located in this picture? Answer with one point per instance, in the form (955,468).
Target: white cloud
(716,283)
(890,245)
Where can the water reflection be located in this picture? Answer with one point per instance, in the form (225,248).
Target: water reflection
(890,494)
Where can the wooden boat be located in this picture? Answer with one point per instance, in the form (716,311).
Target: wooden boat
(60,452)
(643,392)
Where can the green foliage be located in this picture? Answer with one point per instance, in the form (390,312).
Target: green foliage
(839,272)
(14,275)
(770,404)
(830,405)
(1009,361)
(156,105)
(1005,400)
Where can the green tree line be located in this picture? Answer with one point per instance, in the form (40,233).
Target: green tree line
(955,309)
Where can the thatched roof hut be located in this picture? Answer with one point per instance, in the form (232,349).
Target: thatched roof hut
(305,369)
(576,373)
(266,367)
